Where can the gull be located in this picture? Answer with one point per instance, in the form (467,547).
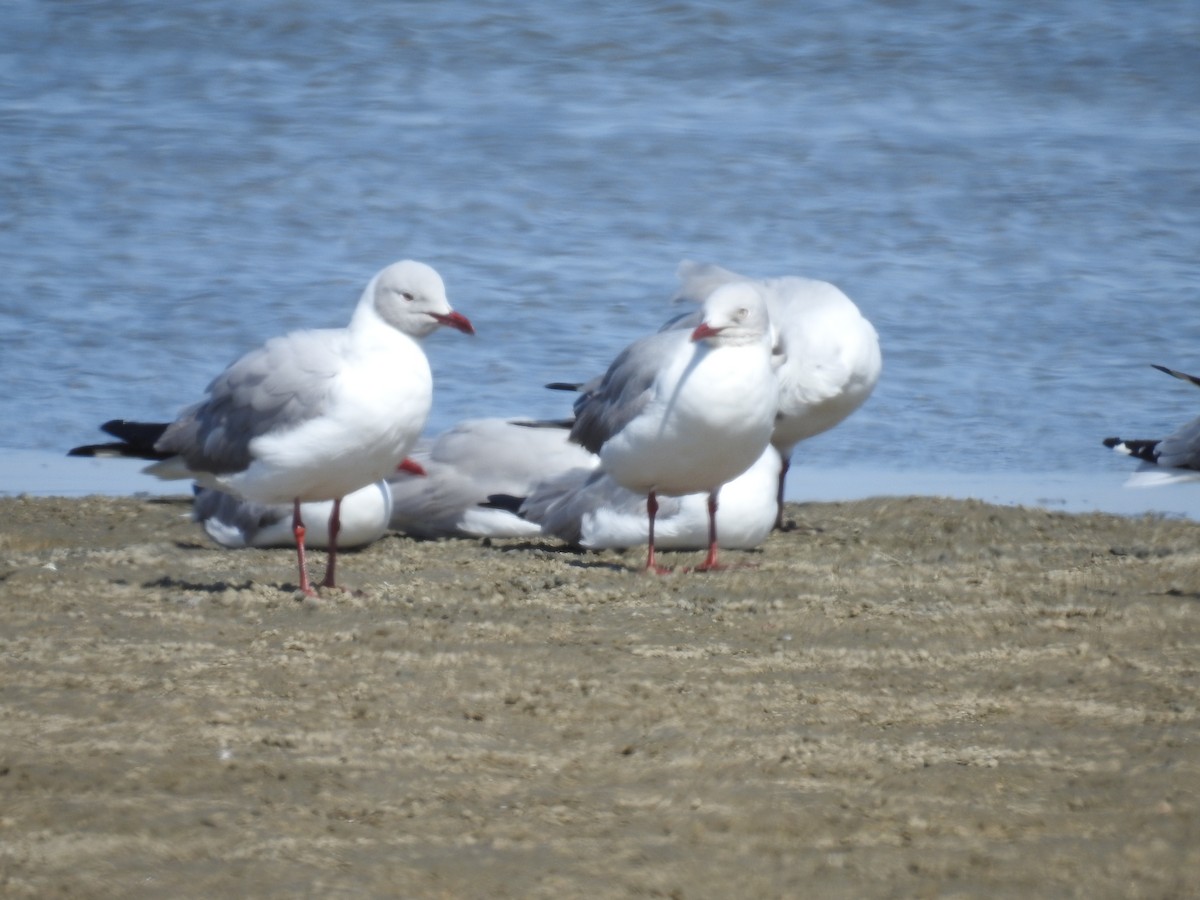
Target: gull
(587,508)
(681,412)
(471,461)
(827,352)
(498,478)
(236,523)
(1169,460)
(441,490)
(311,415)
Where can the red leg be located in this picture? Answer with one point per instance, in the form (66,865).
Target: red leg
(710,562)
(298,531)
(651,512)
(335,526)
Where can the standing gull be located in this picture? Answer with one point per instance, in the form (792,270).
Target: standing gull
(828,352)
(1168,460)
(311,415)
(681,412)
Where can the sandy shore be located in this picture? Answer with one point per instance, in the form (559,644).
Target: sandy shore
(904,697)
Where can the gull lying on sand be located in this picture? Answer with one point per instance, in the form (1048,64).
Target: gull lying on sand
(590,510)
(499,478)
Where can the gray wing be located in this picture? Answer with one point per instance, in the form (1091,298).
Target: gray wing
(510,456)
(1181,449)
(624,390)
(431,505)
(553,504)
(472,461)
(277,387)
(236,517)
(561,504)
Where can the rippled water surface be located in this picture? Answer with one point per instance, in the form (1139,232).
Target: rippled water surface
(1012,196)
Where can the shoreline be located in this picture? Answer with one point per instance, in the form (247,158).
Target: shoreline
(45,474)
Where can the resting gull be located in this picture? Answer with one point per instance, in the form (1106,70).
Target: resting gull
(236,523)
(471,461)
(441,490)
(589,509)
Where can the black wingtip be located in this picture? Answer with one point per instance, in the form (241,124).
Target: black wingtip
(1143,449)
(93,449)
(544,423)
(564,386)
(506,502)
(134,439)
(1175,373)
(143,435)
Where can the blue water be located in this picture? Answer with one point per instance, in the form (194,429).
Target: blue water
(1011,194)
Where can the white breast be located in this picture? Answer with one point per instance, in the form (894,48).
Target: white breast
(710,418)
(377,407)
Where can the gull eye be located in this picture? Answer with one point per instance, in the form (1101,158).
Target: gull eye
(407,295)
(741,314)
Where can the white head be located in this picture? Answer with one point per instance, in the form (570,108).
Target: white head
(734,314)
(411,297)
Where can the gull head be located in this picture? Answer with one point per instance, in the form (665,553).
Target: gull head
(411,297)
(733,314)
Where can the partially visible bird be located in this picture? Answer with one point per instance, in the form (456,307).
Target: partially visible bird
(236,523)
(311,415)
(1169,460)
(589,509)
(472,461)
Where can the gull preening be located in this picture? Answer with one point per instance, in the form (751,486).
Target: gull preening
(683,412)
(828,353)
(311,415)
(1169,460)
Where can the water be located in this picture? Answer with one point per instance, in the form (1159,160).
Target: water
(1012,196)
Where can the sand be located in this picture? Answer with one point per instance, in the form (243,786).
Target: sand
(896,698)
